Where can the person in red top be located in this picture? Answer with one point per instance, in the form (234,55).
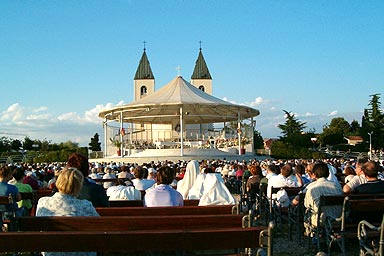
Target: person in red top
(240,172)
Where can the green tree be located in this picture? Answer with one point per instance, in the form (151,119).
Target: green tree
(95,145)
(373,121)
(28,143)
(335,132)
(294,142)
(292,125)
(16,145)
(258,141)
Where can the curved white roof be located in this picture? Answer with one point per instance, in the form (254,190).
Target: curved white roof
(163,106)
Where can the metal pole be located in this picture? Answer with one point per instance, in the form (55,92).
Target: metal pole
(239,132)
(370,145)
(105,127)
(121,135)
(181,132)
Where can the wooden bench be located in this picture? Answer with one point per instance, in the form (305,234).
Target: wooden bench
(161,240)
(369,246)
(167,210)
(7,216)
(136,203)
(125,223)
(276,211)
(354,209)
(166,233)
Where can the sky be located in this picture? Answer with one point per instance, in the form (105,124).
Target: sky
(61,62)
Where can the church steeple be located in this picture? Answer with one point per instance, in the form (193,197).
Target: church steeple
(144,70)
(201,78)
(144,81)
(201,69)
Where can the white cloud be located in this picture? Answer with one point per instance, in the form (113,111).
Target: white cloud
(39,117)
(71,116)
(40,123)
(333,113)
(40,109)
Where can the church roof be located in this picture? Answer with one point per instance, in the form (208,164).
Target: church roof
(201,69)
(164,106)
(144,70)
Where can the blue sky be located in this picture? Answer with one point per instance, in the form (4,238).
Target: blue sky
(63,61)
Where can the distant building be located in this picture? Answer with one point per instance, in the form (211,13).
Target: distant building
(268,143)
(354,140)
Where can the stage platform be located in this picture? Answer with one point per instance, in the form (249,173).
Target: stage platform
(174,155)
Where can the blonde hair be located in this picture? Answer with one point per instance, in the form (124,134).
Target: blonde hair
(70,181)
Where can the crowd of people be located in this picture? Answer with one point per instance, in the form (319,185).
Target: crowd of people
(77,190)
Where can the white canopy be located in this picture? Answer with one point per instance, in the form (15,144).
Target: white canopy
(179,98)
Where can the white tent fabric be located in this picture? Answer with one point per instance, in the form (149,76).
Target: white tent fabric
(177,98)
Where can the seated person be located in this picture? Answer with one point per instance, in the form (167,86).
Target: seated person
(121,191)
(24,205)
(359,178)
(90,190)
(66,203)
(163,194)
(253,182)
(108,175)
(373,184)
(8,189)
(140,181)
(286,178)
(190,175)
(214,191)
(321,187)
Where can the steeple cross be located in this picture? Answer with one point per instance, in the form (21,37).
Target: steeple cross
(144,45)
(200,44)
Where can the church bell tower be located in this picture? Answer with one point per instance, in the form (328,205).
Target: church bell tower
(201,78)
(144,81)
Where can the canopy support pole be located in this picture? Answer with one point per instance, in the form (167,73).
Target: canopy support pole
(121,135)
(239,132)
(105,127)
(181,132)
(253,125)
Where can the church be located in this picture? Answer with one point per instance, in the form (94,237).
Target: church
(144,85)
(179,115)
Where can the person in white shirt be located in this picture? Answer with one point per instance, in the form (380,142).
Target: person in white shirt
(286,178)
(123,192)
(163,194)
(108,175)
(358,179)
(140,182)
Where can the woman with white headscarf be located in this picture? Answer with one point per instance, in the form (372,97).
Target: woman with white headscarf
(214,191)
(191,173)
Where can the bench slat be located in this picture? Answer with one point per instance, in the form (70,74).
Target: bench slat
(157,211)
(124,223)
(101,241)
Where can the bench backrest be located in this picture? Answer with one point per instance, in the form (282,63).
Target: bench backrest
(124,223)
(131,241)
(133,203)
(166,210)
(357,209)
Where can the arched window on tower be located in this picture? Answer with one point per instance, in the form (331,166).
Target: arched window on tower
(143,91)
(201,87)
